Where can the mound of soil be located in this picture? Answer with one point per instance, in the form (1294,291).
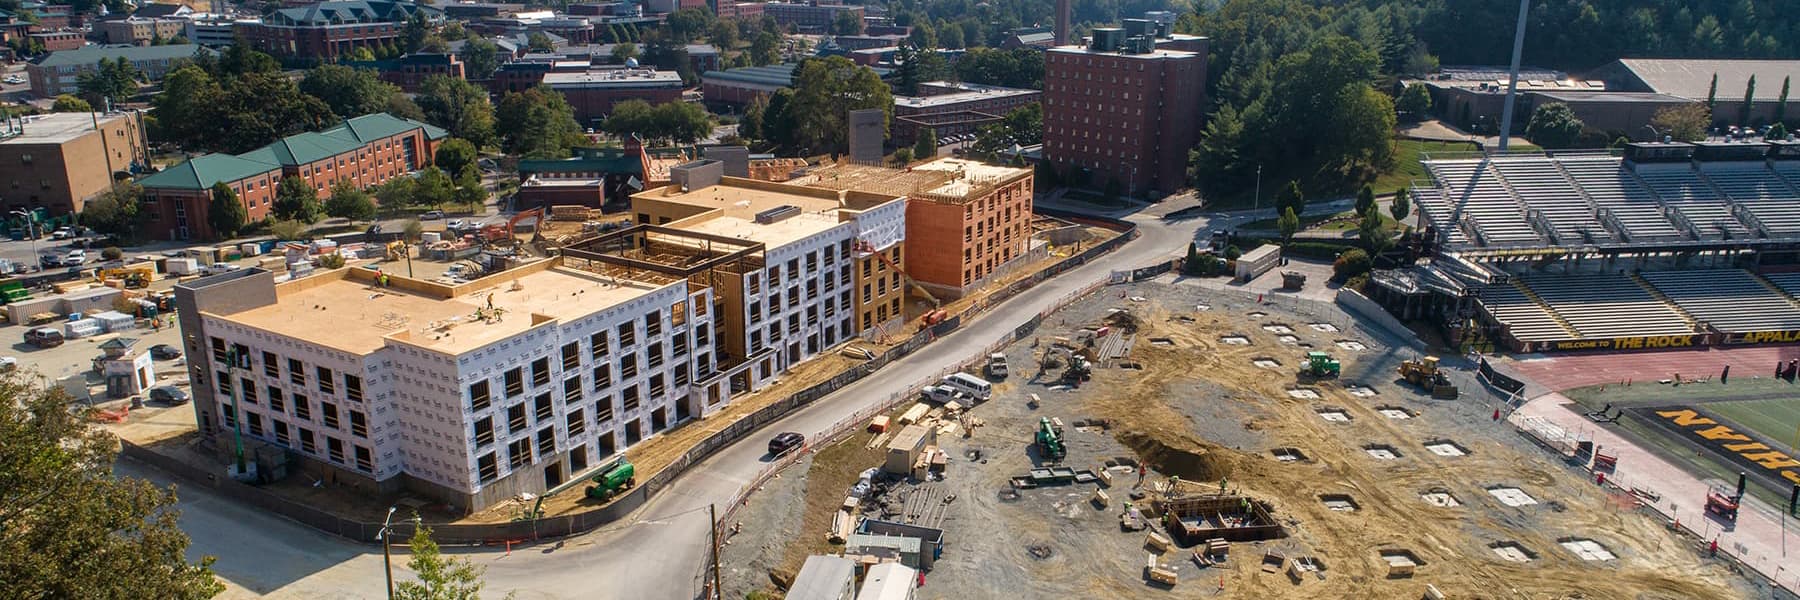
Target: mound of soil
(1187,458)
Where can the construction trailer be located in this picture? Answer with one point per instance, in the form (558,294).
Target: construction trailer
(931,540)
(1257,261)
(824,578)
(888,581)
(1197,519)
(886,548)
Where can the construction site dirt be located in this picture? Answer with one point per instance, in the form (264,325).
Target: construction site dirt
(1378,490)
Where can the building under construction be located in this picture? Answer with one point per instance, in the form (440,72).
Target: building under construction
(977,215)
(792,271)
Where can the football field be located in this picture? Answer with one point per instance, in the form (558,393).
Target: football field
(1773,420)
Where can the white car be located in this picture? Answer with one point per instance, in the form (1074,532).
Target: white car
(455,224)
(75,258)
(62,234)
(217,268)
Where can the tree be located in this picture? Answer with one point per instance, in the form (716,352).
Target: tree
(1289,224)
(723,35)
(349,92)
(847,23)
(114,212)
(480,58)
(288,230)
(297,200)
(226,213)
(751,125)
(1415,101)
(259,108)
(1778,131)
(73,527)
(1372,232)
(925,148)
(455,155)
(417,29)
(111,253)
(401,106)
(765,49)
(412,230)
(825,90)
(349,202)
(1712,93)
(1553,126)
(903,156)
(624,51)
(1781,103)
(1019,67)
(440,578)
(1684,123)
(433,187)
(686,24)
(1351,263)
(1024,126)
(1365,199)
(109,82)
(459,106)
(540,42)
(1291,198)
(1749,102)
(69,103)
(469,191)
(397,192)
(186,106)
(1402,206)
(537,123)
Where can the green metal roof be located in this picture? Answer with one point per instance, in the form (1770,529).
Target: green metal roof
(93,54)
(586,159)
(203,171)
(341,12)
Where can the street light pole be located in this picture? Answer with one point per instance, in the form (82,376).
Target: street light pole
(387,555)
(1258,205)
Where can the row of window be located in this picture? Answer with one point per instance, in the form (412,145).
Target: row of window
(296,404)
(324,378)
(480,393)
(281,433)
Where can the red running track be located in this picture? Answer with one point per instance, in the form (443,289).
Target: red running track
(1569,371)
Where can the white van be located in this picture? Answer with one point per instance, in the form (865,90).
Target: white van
(975,387)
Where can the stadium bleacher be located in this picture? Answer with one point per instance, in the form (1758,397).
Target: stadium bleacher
(1543,188)
(1604,305)
(1730,300)
(1615,191)
(1478,195)
(1527,320)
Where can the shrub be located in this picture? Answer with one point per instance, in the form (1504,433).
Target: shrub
(329,261)
(1351,263)
(112,253)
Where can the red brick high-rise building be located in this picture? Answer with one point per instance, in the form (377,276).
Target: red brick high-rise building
(1124,108)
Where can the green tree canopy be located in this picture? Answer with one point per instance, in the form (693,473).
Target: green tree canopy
(226,213)
(1553,126)
(349,92)
(624,51)
(825,90)
(114,212)
(1018,67)
(433,187)
(458,106)
(455,155)
(480,58)
(1684,123)
(1415,101)
(297,200)
(348,201)
(397,192)
(537,123)
(1290,198)
(70,103)
(925,148)
(439,577)
(765,49)
(469,191)
(1365,198)
(1289,224)
(1402,205)
(75,529)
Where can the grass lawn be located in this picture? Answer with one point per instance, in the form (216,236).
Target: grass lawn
(1310,221)
(1407,154)
(1775,420)
(1087,197)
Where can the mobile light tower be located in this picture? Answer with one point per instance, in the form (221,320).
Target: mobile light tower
(1512,84)
(242,470)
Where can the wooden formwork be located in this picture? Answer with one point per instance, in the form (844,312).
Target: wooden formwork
(1194,520)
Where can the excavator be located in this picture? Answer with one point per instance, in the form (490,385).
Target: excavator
(1424,372)
(1075,364)
(490,234)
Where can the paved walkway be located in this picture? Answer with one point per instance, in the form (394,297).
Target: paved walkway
(1758,536)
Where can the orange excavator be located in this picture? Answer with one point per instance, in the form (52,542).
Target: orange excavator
(496,232)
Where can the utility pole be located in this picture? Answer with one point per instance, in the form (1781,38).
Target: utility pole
(1258,205)
(712,517)
(1512,84)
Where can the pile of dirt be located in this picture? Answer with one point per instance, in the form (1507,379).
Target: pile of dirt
(1123,321)
(1188,458)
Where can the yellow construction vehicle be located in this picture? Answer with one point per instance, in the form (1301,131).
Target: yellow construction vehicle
(396,250)
(134,277)
(1424,372)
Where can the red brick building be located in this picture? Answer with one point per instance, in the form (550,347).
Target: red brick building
(1123,109)
(593,93)
(413,69)
(327,30)
(366,150)
(57,41)
(740,10)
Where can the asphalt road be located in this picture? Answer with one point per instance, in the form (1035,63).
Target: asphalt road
(659,552)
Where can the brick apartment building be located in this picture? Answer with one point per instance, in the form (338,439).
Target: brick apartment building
(1123,109)
(747,11)
(58,161)
(366,150)
(60,72)
(58,41)
(327,30)
(975,216)
(592,93)
(951,108)
(140,31)
(409,71)
(808,17)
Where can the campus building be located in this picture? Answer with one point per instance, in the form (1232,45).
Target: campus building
(974,217)
(593,92)
(58,73)
(58,41)
(469,394)
(1122,109)
(140,31)
(809,17)
(815,267)
(366,150)
(60,160)
(952,108)
(328,30)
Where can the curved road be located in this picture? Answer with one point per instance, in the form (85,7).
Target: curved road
(658,552)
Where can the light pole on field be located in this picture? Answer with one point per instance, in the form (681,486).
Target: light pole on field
(1258,205)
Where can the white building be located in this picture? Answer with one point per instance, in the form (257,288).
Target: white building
(805,291)
(215,30)
(469,394)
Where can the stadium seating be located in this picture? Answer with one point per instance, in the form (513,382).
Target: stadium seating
(1762,193)
(1543,188)
(1606,305)
(1614,190)
(1479,196)
(1730,300)
(1440,213)
(1525,318)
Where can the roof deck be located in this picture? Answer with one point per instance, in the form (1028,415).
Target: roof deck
(349,310)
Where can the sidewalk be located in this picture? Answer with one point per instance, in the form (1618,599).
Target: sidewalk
(1757,537)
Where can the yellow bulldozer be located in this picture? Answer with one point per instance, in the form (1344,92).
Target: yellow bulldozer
(1424,372)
